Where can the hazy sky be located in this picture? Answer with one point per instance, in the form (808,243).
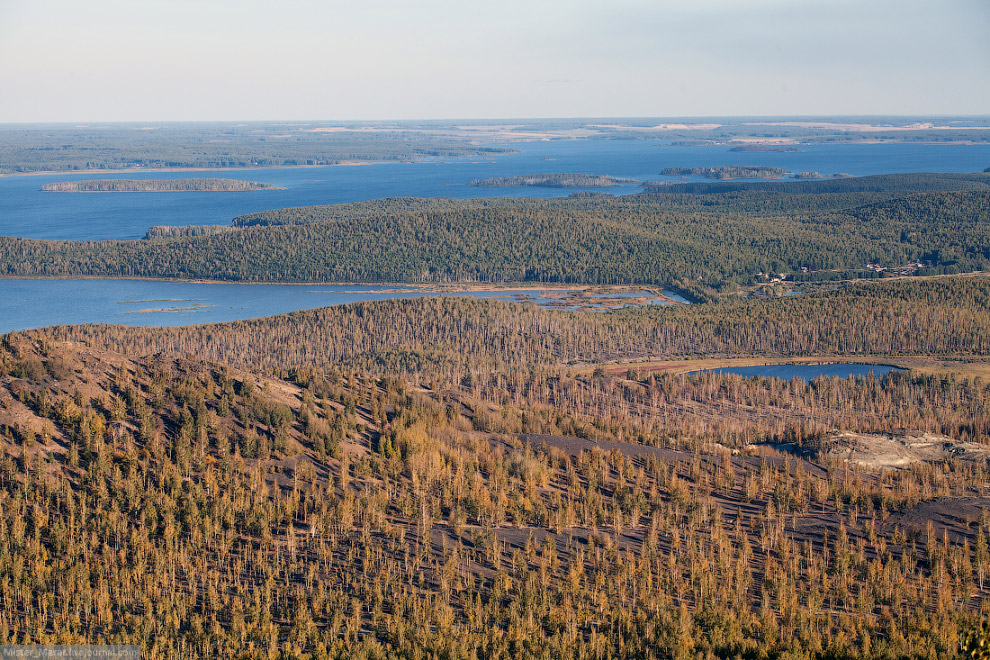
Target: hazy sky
(118,60)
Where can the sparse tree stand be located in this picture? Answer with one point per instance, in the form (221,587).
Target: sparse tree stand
(364,481)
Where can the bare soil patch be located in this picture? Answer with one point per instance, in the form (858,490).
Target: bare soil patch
(883,451)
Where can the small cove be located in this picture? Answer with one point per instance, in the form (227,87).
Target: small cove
(35,303)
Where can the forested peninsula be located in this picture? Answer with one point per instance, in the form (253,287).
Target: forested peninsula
(552,181)
(699,236)
(156,185)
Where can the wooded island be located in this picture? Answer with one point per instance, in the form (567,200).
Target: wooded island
(156,185)
(552,181)
(728,172)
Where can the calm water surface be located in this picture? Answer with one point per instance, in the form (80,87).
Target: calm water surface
(24,211)
(30,303)
(807,371)
(36,303)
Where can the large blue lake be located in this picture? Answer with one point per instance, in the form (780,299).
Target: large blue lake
(27,212)
(24,211)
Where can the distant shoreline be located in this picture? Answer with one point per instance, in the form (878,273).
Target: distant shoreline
(141,170)
(508,138)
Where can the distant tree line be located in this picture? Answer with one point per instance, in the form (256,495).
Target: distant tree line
(213,146)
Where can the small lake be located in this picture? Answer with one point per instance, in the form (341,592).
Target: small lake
(807,371)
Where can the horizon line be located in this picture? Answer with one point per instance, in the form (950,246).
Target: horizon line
(501,119)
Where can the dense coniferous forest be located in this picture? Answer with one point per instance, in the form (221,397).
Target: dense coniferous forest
(749,198)
(465,478)
(687,239)
(169,231)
